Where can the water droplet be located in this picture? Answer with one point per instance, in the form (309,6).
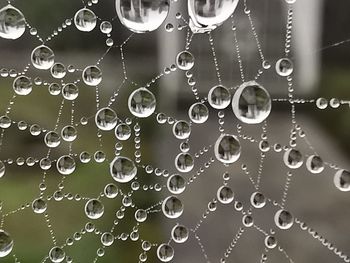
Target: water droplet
(293,158)
(39,206)
(12,22)
(219,97)
(92,75)
(225,195)
(58,71)
(284,219)
(52,139)
(107,239)
(248,220)
(22,85)
(2,169)
(342,180)
(198,113)
(69,133)
(94,209)
(176,184)
(106,119)
(165,253)
(270,242)
(42,57)
(6,244)
(284,67)
(142,103)
(54,89)
(57,254)
(179,234)
(181,130)
(140,215)
(184,162)
(321,103)
(314,164)
(185,60)
(251,103)
(227,148)
(85,20)
(111,191)
(143,15)
(123,132)
(70,91)
(206,16)
(172,207)
(123,169)
(65,165)
(258,200)
(106,27)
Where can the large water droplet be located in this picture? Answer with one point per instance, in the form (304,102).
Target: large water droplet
(111,191)
(65,165)
(185,60)
(225,195)
(142,16)
(6,244)
(123,169)
(42,57)
(258,200)
(12,22)
(142,103)
(140,215)
(85,20)
(70,91)
(284,67)
(179,233)
(342,180)
(57,254)
(181,130)
(176,184)
(198,113)
(219,97)
(106,119)
(172,207)
(94,209)
(251,103)
(293,158)
(227,148)
(184,162)
(22,85)
(92,75)
(107,239)
(207,15)
(39,206)
(314,164)
(165,253)
(284,219)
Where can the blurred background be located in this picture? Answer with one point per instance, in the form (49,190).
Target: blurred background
(321,70)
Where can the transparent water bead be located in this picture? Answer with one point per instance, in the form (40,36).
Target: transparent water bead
(57,255)
(2,169)
(185,60)
(39,206)
(284,219)
(142,103)
(123,132)
(140,215)
(184,162)
(69,133)
(142,15)
(107,239)
(106,27)
(58,71)
(165,253)
(92,75)
(22,85)
(258,200)
(219,97)
(251,103)
(227,148)
(181,130)
(225,195)
(342,180)
(52,139)
(12,22)
(6,243)
(284,67)
(42,57)
(85,20)
(270,242)
(106,119)
(70,91)
(293,158)
(5,122)
(111,191)
(314,164)
(176,184)
(94,209)
(122,169)
(198,113)
(208,15)
(179,234)
(65,165)
(172,207)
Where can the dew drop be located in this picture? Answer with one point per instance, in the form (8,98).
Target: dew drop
(6,243)
(106,27)
(70,91)
(12,22)
(225,195)
(227,148)
(142,103)
(57,254)
(85,20)
(184,162)
(342,180)
(52,139)
(92,75)
(258,200)
(22,85)
(176,184)
(172,207)
(106,119)
(122,169)
(181,130)
(94,209)
(58,71)
(123,132)
(284,219)
(198,113)
(111,191)
(107,239)
(219,97)
(42,57)
(185,60)
(2,169)
(314,164)
(69,133)
(39,206)
(284,67)
(293,158)
(65,165)
(140,215)
(165,253)
(179,234)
